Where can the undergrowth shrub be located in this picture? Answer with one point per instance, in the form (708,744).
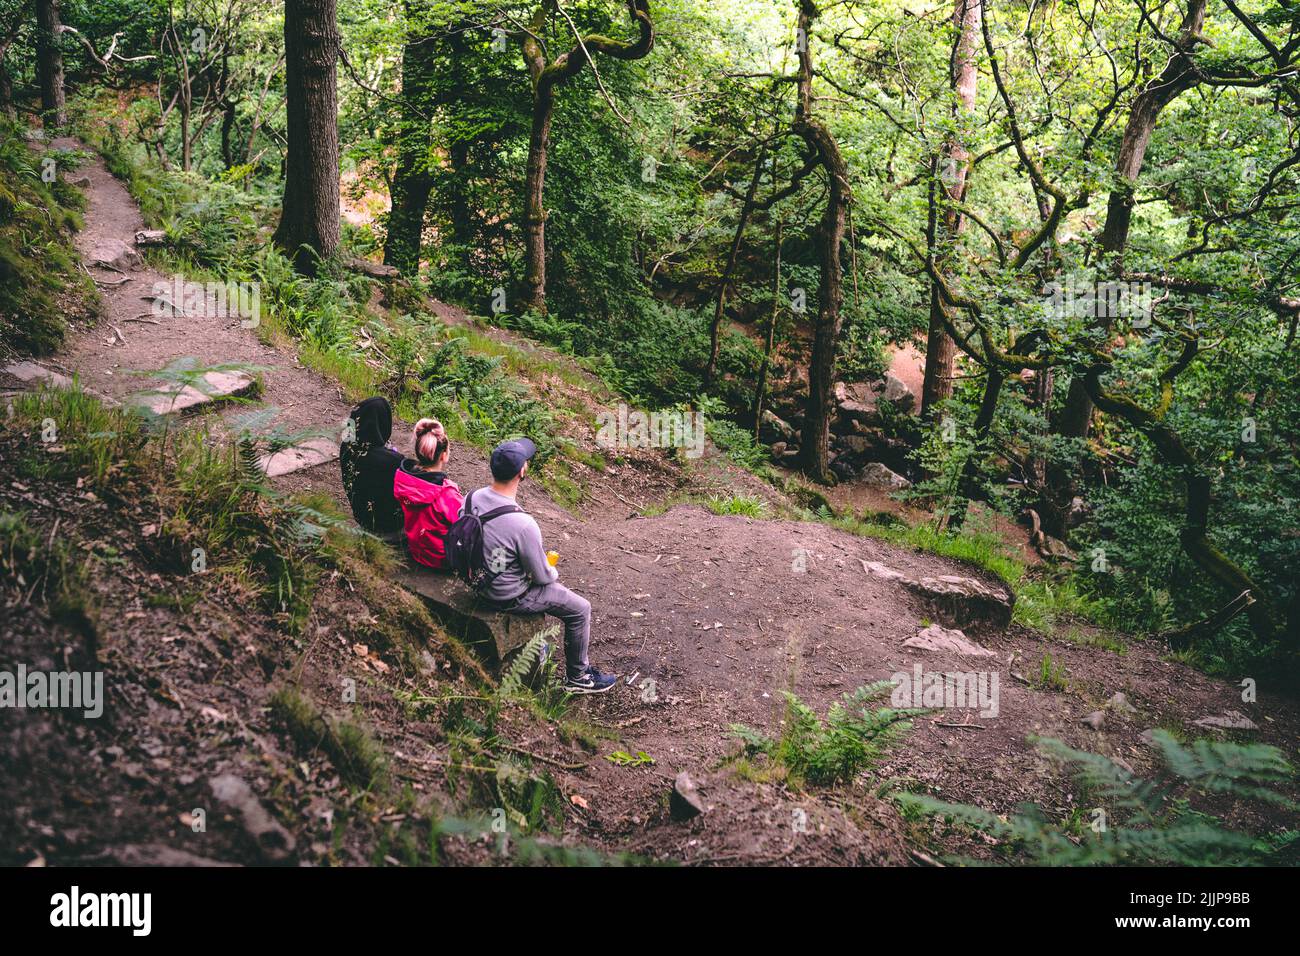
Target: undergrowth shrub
(1161,821)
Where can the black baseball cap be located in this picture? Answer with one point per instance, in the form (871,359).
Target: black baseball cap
(508,458)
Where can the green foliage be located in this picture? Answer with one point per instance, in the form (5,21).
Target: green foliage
(1051,675)
(745,505)
(847,742)
(40,282)
(475,399)
(1144,822)
(622,758)
(352,749)
(46,570)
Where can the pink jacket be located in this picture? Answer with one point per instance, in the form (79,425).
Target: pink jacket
(428,511)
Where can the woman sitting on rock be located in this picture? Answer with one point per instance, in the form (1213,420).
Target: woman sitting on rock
(430,500)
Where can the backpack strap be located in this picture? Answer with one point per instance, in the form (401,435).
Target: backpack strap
(498,512)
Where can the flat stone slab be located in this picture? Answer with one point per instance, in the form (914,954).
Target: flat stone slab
(936,638)
(492,635)
(30,373)
(181,399)
(1228,720)
(305,454)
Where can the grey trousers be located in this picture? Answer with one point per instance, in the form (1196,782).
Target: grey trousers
(573,610)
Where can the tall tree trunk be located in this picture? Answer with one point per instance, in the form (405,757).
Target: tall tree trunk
(546,74)
(539,144)
(49,62)
(309,220)
(814,448)
(413,178)
(954,168)
(720,304)
(6,92)
(1075,416)
(1177,77)
(760,389)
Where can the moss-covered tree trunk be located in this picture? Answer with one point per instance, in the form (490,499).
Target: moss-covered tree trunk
(309,220)
(49,62)
(1194,536)
(1178,75)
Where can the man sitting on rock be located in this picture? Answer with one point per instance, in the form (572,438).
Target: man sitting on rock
(521,575)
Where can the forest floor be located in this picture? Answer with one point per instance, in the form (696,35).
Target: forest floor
(715,610)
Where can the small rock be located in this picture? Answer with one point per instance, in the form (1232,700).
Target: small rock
(685,802)
(1119,703)
(778,450)
(81,181)
(1094,720)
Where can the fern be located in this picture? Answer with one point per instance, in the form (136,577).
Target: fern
(1145,822)
(515,682)
(851,739)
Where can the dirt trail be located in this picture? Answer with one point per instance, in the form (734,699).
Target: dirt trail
(106,361)
(718,612)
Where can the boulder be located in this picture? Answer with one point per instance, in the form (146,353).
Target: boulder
(879,476)
(897,393)
(174,398)
(778,450)
(776,429)
(116,255)
(860,412)
(855,444)
(492,635)
(965,602)
(958,601)
(1228,720)
(1095,720)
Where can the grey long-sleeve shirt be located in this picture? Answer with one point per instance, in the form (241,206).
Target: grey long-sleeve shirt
(512,539)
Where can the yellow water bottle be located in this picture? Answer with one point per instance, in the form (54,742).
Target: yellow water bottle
(552,558)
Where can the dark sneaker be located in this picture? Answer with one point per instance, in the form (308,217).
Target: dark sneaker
(590,681)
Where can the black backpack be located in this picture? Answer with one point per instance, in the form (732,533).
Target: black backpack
(464,543)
